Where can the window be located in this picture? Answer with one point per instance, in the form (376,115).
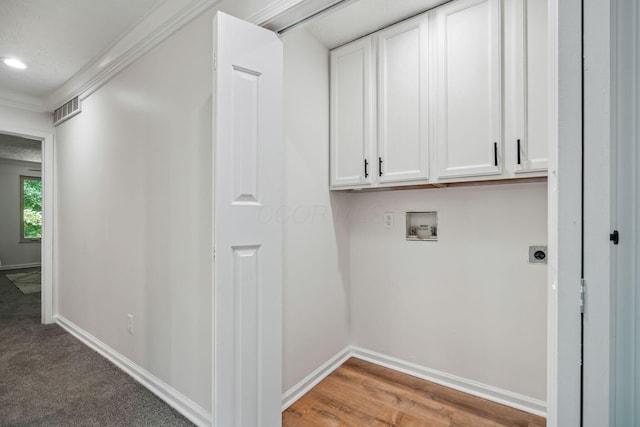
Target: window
(30,208)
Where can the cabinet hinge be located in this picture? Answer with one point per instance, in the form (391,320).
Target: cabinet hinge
(583,290)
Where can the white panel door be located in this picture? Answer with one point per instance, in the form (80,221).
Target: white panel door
(352,114)
(531,87)
(403,95)
(248,242)
(468,125)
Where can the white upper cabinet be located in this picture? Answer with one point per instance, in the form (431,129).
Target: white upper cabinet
(467,58)
(456,94)
(352,114)
(527,83)
(403,98)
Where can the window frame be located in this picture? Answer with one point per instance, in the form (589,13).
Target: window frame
(24,239)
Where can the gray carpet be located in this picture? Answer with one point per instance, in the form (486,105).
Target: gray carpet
(15,307)
(49,378)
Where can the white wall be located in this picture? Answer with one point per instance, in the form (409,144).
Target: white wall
(469,304)
(134,212)
(15,118)
(316,253)
(12,252)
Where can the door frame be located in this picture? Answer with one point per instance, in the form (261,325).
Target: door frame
(625,299)
(48,299)
(598,322)
(564,214)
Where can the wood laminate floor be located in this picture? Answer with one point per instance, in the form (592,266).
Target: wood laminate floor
(363,394)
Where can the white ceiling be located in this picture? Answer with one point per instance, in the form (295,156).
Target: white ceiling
(16,148)
(57,38)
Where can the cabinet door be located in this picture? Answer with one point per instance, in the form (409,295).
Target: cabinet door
(352,103)
(468,88)
(530,85)
(403,117)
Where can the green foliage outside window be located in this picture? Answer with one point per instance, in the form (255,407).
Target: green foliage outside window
(32,213)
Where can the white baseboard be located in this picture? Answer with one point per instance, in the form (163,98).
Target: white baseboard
(494,394)
(311,380)
(17,266)
(164,391)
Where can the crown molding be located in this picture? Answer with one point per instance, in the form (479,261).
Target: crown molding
(282,14)
(272,11)
(162,22)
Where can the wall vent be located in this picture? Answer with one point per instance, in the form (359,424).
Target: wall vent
(66,111)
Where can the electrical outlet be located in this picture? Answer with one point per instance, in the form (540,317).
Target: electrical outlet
(537,254)
(130,323)
(388,219)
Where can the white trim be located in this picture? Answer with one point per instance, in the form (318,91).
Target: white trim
(18,266)
(624,334)
(297,391)
(48,224)
(552,219)
(474,388)
(164,391)
(21,105)
(49,288)
(161,23)
(564,213)
(273,10)
(284,14)
(598,328)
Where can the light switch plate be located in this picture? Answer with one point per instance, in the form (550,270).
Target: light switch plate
(537,254)
(388,219)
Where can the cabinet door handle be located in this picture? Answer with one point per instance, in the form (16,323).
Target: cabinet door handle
(518,151)
(495,154)
(366,168)
(379,166)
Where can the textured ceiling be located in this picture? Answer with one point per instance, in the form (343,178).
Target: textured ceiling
(358,18)
(16,148)
(56,38)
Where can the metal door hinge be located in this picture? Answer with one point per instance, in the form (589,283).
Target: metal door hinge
(582,295)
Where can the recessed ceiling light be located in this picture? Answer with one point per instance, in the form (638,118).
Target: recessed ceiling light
(15,63)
